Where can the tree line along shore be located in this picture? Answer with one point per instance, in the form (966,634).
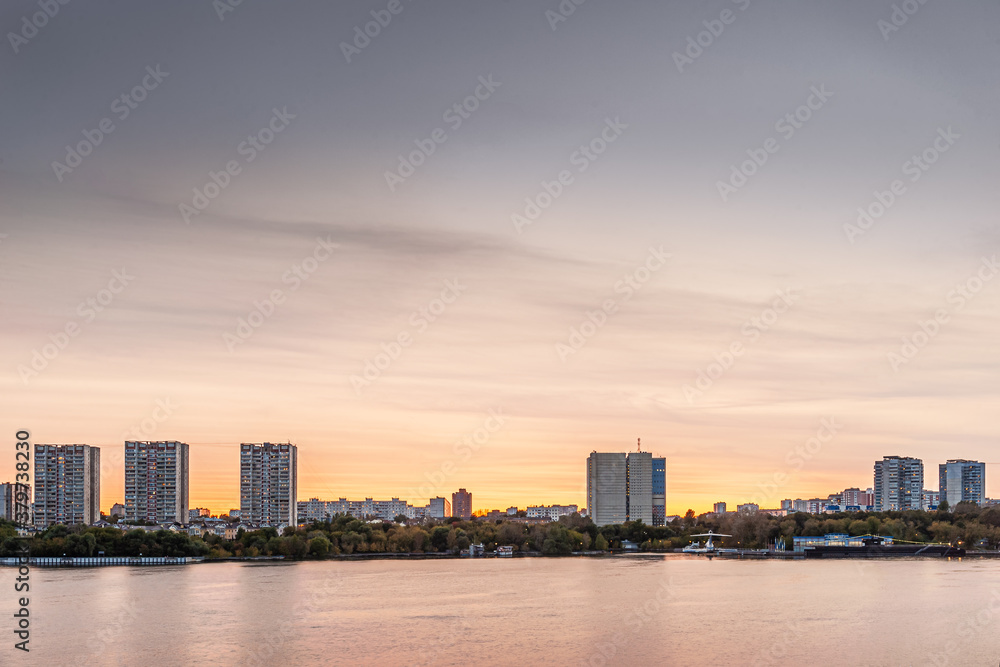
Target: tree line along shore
(972,527)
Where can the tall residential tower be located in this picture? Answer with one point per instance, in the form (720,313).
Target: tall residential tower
(962,481)
(269,483)
(67,485)
(156,481)
(461,504)
(899,484)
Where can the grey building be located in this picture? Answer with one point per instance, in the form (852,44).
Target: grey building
(899,484)
(9,501)
(607,488)
(620,487)
(269,483)
(439,508)
(156,481)
(639,468)
(962,481)
(67,485)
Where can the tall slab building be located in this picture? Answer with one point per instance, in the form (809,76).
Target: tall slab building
(67,485)
(639,501)
(620,487)
(607,488)
(9,499)
(659,491)
(899,484)
(962,481)
(461,504)
(156,481)
(269,483)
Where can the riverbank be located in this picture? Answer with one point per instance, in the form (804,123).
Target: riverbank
(105,561)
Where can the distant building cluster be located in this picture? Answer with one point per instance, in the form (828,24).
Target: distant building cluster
(315,509)
(67,487)
(898,485)
(620,487)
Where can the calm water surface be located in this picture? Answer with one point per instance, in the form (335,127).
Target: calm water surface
(634,610)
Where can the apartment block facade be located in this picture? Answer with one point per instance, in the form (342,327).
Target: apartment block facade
(156,481)
(9,492)
(461,504)
(550,512)
(269,483)
(67,485)
(659,486)
(899,484)
(962,481)
(439,508)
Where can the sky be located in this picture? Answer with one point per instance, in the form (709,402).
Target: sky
(483,240)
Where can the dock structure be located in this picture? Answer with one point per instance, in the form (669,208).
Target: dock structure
(99,561)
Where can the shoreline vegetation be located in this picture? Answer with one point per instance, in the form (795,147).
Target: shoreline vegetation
(348,538)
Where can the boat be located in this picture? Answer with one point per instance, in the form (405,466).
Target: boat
(873,546)
(505,552)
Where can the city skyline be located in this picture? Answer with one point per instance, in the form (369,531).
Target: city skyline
(767,495)
(601,240)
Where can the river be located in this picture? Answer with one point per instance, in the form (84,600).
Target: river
(627,610)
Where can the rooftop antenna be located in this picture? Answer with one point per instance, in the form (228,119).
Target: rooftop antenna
(638,444)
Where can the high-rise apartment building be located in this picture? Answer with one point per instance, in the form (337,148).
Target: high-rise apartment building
(620,487)
(67,485)
(899,484)
(7,494)
(461,504)
(659,491)
(607,488)
(439,508)
(962,481)
(156,481)
(639,502)
(8,499)
(269,483)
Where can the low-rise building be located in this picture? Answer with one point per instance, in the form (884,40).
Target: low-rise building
(551,512)
(198,513)
(831,540)
(930,500)
(774,512)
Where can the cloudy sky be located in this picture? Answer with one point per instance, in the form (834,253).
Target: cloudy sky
(711,226)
